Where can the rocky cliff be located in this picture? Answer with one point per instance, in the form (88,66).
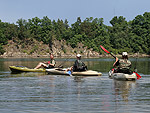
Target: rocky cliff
(33,48)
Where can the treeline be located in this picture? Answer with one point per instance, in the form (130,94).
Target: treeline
(132,36)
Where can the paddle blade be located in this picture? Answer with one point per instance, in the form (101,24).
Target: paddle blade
(69,72)
(138,76)
(104,49)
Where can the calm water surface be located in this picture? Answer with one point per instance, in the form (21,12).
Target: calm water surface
(42,93)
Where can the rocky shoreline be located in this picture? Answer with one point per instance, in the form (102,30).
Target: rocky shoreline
(35,49)
(35,55)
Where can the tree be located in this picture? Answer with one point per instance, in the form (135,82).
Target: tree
(140,26)
(76,27)
(11,31)
(132,36)
(22,29)
(46,30)
(3,39)
(119,34)
(35,28)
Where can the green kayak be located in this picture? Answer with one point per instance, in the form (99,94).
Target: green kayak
(16,69)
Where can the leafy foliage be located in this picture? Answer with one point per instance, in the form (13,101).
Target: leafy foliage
(132,36)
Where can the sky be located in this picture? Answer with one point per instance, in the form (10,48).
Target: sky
(12,10)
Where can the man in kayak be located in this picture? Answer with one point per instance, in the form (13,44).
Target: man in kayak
(122,65)
(49,64)
(78,65)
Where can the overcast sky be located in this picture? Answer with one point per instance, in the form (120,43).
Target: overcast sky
(12,10)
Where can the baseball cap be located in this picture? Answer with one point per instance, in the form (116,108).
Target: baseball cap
(78,55)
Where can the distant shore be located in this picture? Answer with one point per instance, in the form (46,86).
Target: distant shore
(39,50)
(21,55)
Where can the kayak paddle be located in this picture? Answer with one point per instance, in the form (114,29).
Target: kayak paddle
(69,72)
(107,51)
(138,76)
(135,71)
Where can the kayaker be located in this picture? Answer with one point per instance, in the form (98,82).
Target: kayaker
(122,65)
(78,64)
(49,64)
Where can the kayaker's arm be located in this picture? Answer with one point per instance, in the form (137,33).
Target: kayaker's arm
(45,62)
(116,62)
(52,65)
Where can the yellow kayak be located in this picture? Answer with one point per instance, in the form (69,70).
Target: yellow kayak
(24,69)
(87,73)
(59,71)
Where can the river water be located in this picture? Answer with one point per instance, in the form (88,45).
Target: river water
(42,93)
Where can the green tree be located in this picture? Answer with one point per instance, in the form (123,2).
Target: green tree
(23,31)
(35,28)
(46,30)
(140,26)
(119,34)
(11,31)
(76,27)
(3,39)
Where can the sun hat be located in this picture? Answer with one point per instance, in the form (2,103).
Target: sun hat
(124,53)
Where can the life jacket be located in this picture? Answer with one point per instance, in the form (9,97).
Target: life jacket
(51,62)
(124,64)
(79,66)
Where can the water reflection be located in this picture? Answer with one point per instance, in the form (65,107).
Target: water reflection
(123,89)
(39,92)
(78,78)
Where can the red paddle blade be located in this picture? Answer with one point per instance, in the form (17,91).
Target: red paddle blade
(138,76)
(104,49)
